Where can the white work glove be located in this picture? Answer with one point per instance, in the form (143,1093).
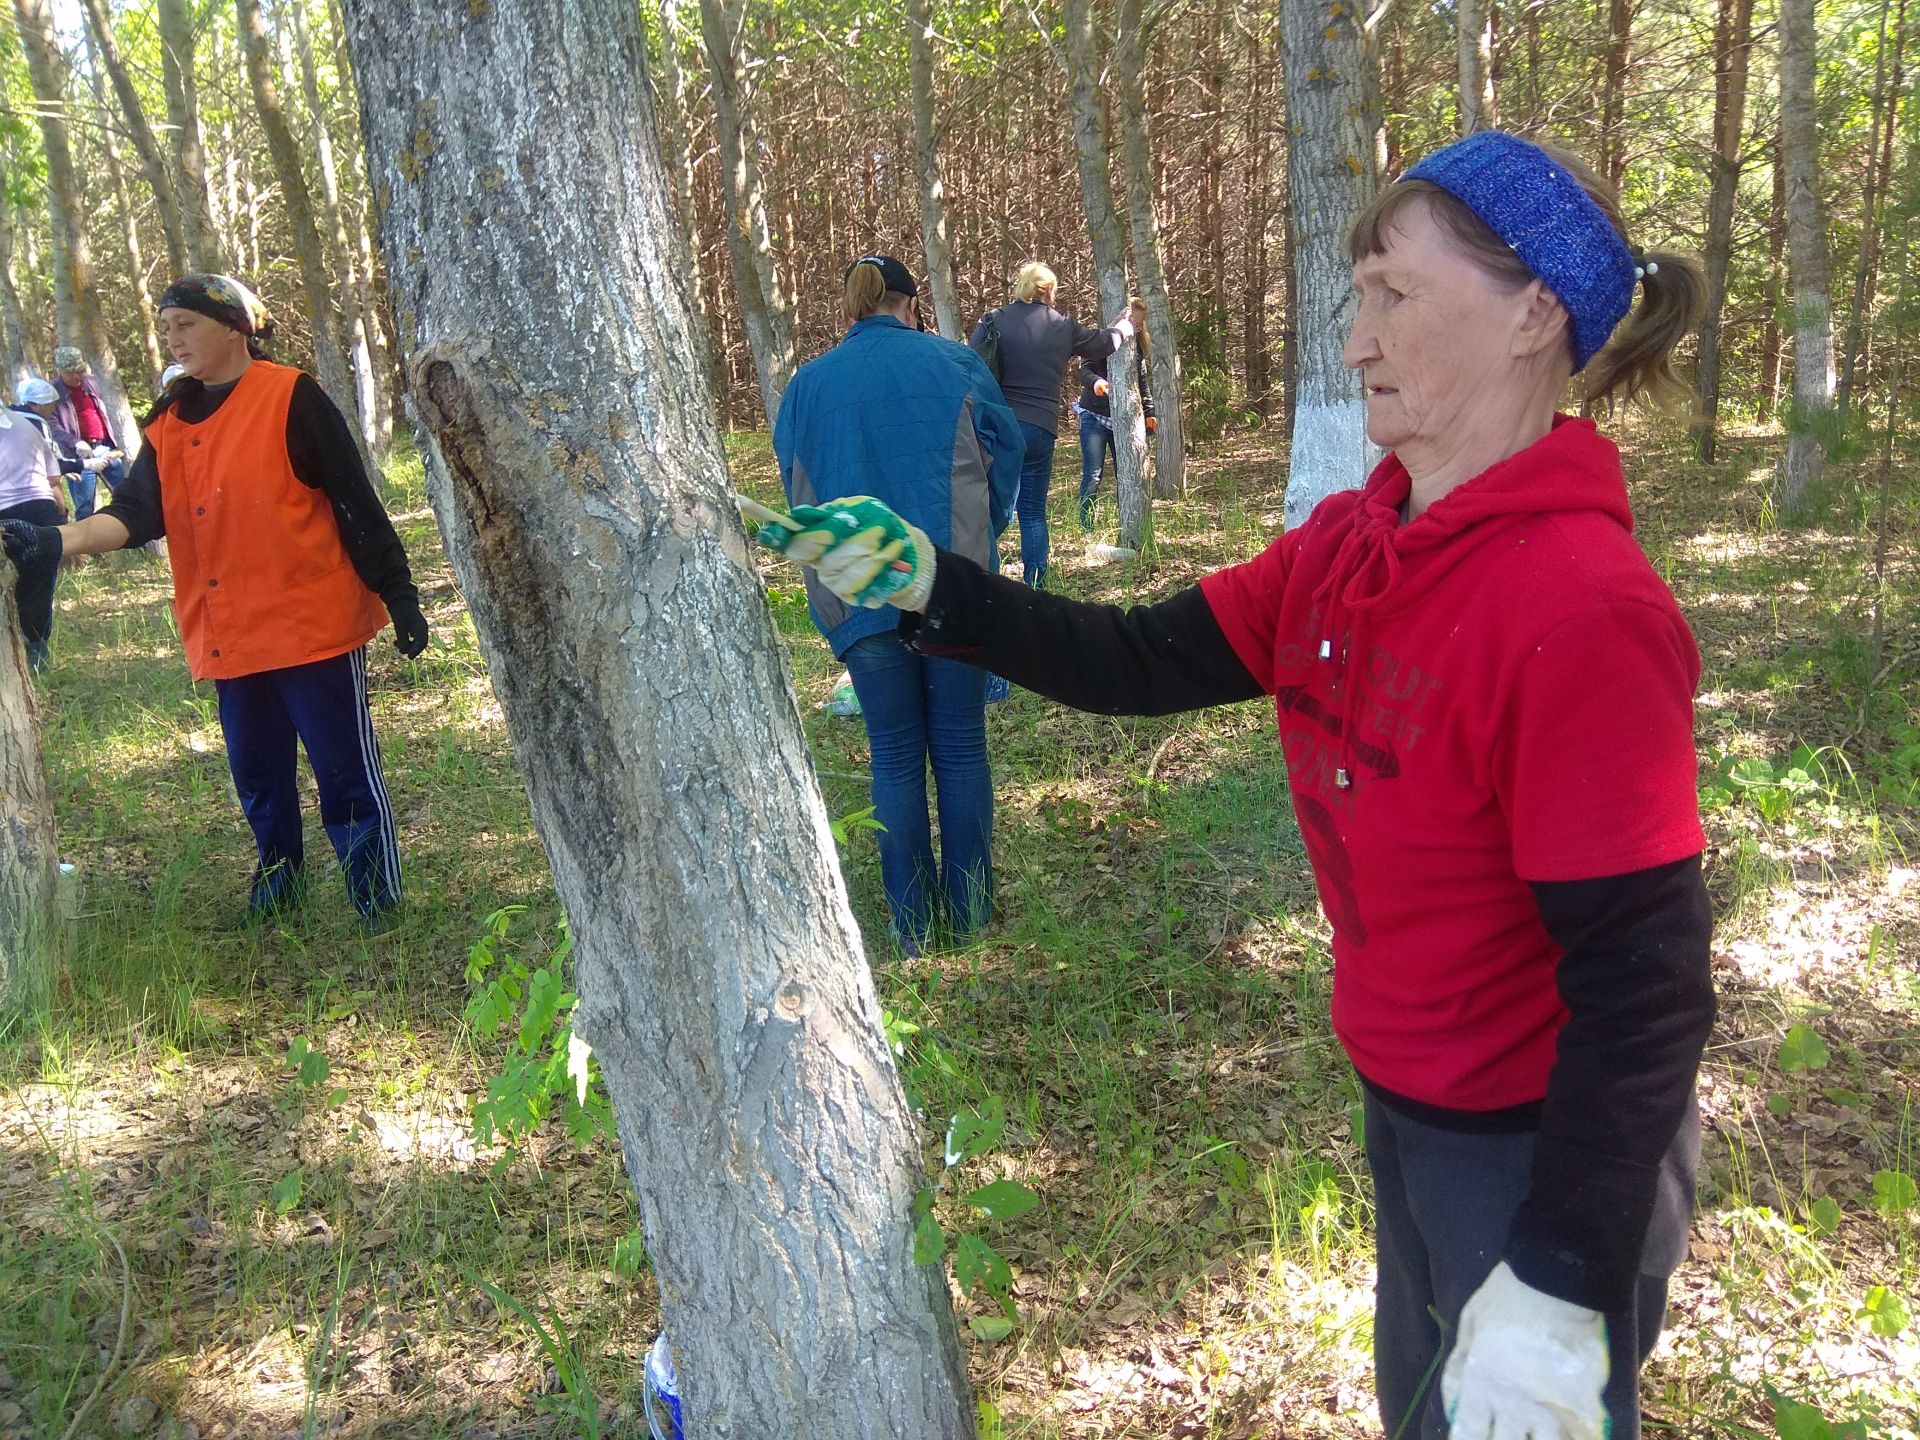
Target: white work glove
(96,463)
(1525,1366)
(1124,325)
(82,447)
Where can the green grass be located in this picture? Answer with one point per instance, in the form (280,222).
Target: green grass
(1151,1005)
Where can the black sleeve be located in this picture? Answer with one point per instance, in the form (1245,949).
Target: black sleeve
(1094,344)
(1150,660)
(1635,978)
(136,500)
(326,457)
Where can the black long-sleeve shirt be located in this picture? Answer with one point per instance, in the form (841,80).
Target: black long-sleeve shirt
(324,456)
(1633,972)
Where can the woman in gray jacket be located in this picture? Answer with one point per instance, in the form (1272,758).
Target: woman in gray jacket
(1036,342)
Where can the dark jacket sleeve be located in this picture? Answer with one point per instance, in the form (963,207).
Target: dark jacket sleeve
(1634,976)
(1149,660)
(136,500)
(1094,344)
(321,447)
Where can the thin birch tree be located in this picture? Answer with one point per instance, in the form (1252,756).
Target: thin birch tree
(1108,234)
(1810,267)
(936,248)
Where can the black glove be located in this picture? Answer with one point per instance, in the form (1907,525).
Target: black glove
(409,625)
(30,546)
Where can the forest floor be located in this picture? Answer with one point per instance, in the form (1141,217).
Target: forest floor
(208,1231)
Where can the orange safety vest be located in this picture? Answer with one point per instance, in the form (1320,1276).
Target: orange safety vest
(260,578)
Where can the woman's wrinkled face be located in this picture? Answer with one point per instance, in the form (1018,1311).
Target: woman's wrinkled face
(1434,336)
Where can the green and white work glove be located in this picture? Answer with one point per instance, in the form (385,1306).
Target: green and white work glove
(1525,1365)
(861,550)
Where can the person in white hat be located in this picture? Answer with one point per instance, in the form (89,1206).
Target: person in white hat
(30,491)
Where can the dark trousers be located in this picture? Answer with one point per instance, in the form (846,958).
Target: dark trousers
(33,592)
(1444,1202)
(324,707)
(1036,475)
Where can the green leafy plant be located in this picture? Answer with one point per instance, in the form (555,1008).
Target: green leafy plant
(1774,790)
(1885,1312)
(851,824)
(1894,1192)
(976,1264)
(546,1068)
(1797,1420)
(311,1069)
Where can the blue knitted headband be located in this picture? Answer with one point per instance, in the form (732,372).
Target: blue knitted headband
(1530,201)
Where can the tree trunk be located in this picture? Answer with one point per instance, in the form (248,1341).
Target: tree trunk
(22,358)
(1809,266)
(580,483)
(1105,229)
(1473,21)
(153,162)
(1613,92)
(126,220)
(1886,114)
(676,143)
(1330,178)
(204,250)
(362,330)
(765,310)
(1733,42)
(1772,350)
(28,856)
(1163,355)
(926,163)
(1256,358)
(76,300)
(329,355)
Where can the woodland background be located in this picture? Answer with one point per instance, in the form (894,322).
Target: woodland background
(301,1183)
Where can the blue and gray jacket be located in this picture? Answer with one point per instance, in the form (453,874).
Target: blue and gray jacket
(910,419)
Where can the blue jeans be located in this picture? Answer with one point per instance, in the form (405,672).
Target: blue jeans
(916,709)
(1443,1202)
(85,486)
(323,706)
(1035,475)
(1096,445)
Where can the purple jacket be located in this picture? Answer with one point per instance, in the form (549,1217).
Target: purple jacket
(66,417)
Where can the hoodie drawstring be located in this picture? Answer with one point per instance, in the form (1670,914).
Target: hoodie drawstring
(1365,570)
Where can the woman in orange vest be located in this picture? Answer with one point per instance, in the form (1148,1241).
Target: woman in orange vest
(283,558)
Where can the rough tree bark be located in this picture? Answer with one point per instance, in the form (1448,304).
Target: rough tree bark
(28,873)
(1732,47)
(330,362)
(153,161)
(1474,43)
(1108,234)
(1330,178)
(204,250)
(578,476)
(76,299)
(1163,358)
(926,164)
(362,330)
(1810,268)
(765,308)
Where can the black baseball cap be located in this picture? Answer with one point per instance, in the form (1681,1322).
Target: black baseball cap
(898,278)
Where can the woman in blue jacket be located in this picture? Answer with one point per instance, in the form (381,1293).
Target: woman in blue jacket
(918,422)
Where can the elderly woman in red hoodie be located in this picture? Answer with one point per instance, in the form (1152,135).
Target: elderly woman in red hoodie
(1484,698)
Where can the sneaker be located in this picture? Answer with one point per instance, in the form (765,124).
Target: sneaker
(380,922)
(273,896)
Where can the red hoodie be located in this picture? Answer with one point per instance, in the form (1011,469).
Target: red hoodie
(1499,692)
